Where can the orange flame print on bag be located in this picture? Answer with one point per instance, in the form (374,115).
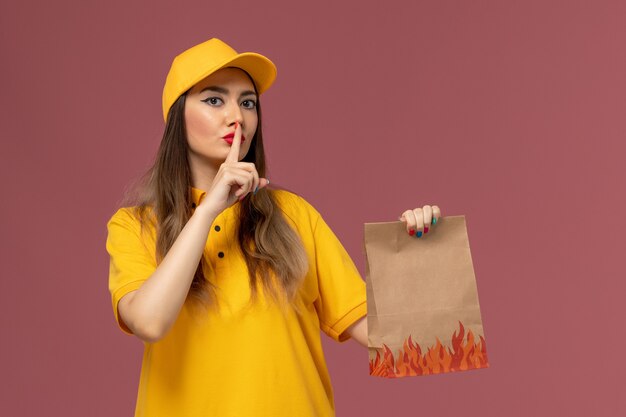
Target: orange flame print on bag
(437,359)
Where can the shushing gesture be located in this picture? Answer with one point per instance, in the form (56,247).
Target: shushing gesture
(233,180)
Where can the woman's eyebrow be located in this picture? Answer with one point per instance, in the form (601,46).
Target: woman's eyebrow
(223,90)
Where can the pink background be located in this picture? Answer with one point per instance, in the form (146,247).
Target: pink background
(510,113)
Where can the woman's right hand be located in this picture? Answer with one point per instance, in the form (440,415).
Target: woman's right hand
(233,180)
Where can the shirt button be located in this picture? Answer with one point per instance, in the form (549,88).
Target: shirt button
(217,228)
(220,254)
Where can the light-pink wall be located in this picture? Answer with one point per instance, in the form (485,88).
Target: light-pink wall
(510,113)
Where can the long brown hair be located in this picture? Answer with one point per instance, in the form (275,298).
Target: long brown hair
(162,198)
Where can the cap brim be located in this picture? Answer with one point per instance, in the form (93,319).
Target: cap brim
(261,69)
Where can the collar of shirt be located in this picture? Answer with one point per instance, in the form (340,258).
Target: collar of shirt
(197,195)
(225,218)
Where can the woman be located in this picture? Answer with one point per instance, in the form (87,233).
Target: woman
(226,281)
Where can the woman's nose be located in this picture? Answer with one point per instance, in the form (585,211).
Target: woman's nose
(233,113)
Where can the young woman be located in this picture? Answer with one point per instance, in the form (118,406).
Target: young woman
(228,282)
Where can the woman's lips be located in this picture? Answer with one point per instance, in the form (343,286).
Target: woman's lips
(229,138)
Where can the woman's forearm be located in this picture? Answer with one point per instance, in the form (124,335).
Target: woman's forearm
(155,306)
(358,331)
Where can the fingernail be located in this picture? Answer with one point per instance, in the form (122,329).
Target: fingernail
(425,229)
(268,181)
(255,190)
(434,220)
(419,234)
(411,232)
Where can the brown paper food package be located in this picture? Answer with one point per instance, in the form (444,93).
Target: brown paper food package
(423,315)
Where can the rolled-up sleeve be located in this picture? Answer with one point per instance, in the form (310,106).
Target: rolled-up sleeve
(131,262)
(341,300)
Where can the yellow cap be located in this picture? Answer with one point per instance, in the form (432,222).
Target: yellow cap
(198,62)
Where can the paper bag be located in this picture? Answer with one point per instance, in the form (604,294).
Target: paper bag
(423,315)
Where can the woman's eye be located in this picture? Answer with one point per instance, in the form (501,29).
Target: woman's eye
(249,104)
(213,101)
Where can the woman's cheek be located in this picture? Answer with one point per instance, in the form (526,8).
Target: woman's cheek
(198,124)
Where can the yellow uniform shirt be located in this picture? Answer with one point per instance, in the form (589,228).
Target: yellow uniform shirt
(260,362)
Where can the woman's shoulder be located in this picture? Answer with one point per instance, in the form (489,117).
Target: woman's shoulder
(295,206)
(126,213)
(131,216)
(123,214)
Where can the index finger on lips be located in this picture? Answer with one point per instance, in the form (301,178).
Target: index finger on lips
(233,154)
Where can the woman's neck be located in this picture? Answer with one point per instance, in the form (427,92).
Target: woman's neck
(203,172)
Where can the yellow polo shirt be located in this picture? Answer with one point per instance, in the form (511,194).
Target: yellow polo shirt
(235,363)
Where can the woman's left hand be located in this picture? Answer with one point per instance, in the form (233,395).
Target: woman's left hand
(419,220)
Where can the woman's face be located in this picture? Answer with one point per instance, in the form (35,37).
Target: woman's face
(213,106)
